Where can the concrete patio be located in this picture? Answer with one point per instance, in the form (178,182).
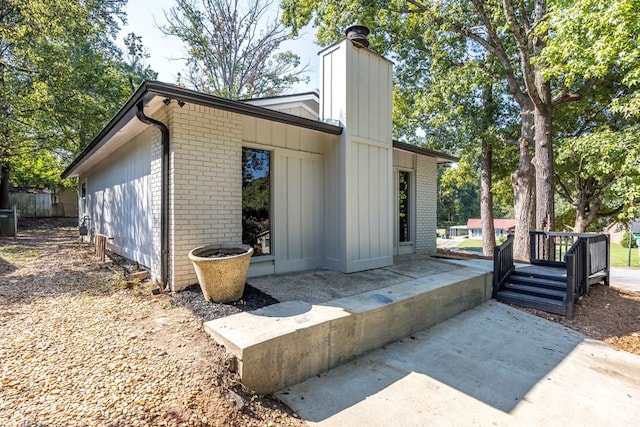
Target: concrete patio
(326,318)
(493,365)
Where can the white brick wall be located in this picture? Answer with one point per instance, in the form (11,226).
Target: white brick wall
(156,195)
(205,186)
(426,204)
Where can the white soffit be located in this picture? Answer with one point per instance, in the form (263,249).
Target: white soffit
(127,129)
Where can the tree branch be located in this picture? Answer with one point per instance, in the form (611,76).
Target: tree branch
(525,58)
(566,96)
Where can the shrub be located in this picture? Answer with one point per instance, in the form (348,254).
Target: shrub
(625,241)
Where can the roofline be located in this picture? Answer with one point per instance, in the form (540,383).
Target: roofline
(447,158)
(290,95)
(156,88)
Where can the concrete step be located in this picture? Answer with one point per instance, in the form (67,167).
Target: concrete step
(286,343)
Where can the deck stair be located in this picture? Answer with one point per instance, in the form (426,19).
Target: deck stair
(541,288)
(563,267)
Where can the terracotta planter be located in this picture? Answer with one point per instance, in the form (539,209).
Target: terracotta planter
(221,270)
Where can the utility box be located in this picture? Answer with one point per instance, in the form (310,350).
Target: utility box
(8,222)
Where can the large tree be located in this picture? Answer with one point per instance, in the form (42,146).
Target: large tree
(60,78)
(233,47)
(512,34)
(599,144)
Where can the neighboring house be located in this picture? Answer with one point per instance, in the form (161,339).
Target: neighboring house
(501,227)
(310,180)
(458,231)
(616,230)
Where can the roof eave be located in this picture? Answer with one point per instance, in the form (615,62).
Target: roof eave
(439,156)
(154,88)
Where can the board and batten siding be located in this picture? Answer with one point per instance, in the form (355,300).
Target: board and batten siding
(297,198)
(119,199)
(356,91)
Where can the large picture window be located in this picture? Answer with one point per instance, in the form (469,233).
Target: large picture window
(256,200)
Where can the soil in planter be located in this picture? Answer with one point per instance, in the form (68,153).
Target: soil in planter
(220,253)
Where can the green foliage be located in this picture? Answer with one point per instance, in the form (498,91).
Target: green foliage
(597,144)
(446,56)
(600,172)
(62,78)
(589,39)
(625,240)
(232,52)
(135,60)
(458,195)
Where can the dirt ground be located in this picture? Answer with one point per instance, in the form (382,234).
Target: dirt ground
(81,346)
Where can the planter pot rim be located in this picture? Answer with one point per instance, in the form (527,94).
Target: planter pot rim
(193,254)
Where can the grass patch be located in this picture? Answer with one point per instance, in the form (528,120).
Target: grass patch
(18,253)
(620,256)
(471,245)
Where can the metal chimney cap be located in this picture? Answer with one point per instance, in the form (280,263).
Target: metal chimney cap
(358,34)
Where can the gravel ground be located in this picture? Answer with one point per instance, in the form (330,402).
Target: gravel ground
(80,348)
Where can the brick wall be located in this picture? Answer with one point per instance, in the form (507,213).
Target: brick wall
(426,204)
(156,196)
(206,184)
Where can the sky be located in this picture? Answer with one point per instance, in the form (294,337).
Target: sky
(144,17)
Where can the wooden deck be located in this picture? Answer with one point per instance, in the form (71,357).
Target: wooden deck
(563,266)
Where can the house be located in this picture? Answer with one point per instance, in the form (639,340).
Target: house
(310,180)
(501,227)
(616,230)
(458,232)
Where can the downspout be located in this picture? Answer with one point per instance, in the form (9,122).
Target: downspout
(164,192)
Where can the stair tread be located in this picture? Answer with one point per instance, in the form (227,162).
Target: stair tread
(550,273)
(536,290)
(532,301)
(559,283)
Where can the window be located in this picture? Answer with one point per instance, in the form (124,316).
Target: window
(403,206)
(256,200)
(83,198)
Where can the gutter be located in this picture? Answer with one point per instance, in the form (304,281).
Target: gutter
(164,192)
(153,88)
(440,156)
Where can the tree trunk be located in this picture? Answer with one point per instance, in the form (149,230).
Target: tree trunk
(586,212)
(4,186)
(523,183)
(580,225)
(486,200)
(543,163)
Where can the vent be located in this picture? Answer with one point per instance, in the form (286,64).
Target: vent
(358,35)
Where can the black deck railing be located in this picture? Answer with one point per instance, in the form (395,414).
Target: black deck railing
(551,248)
(584,255)
(502,263)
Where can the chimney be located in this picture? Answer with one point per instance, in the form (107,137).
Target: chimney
(358,34)
(355,91)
